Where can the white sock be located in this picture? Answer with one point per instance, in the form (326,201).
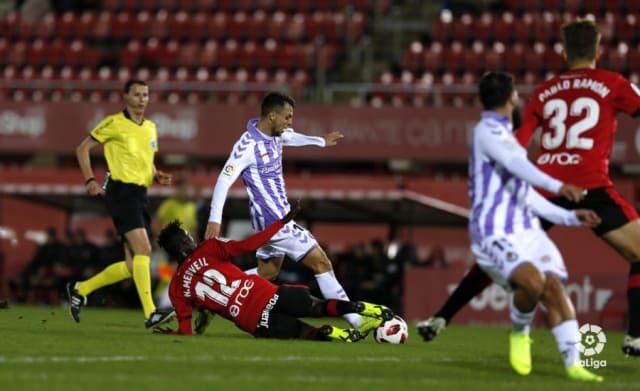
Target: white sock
(331,289)
(567,338)
(521,320)
(252,272)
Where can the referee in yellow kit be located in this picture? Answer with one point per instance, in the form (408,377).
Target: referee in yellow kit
(130,142)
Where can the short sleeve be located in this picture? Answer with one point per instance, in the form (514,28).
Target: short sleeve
(104,131)
(627,97)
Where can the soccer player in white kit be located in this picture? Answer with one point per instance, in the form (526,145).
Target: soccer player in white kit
(257,157)
(506,237)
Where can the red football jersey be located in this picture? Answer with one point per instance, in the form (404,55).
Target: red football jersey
(577,113)
(208,279)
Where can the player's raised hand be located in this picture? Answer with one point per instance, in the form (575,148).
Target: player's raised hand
(212,231)
(588,218)
(331,139)
(572,193)
(292,213)
(94,189)
(163,178)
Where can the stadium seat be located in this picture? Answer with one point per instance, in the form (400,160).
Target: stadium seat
(131,54)
(120,26)
(412,58)
(432,58)
(141,26)
(237,26)
(208,56)
(256,27)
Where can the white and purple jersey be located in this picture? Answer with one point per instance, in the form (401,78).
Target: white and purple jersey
(503,201)
(258,158)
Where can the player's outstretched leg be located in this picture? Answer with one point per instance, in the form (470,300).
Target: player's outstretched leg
(374,310)
(472,284)
(76,301)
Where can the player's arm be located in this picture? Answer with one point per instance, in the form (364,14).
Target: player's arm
(236,248)
(530,122)
(290,138)
(184,313)
(84,161)
(504,149)
(557,215)
(238,161)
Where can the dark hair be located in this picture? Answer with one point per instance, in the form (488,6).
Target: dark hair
(581,38)
(495,89)
(132,82)
(275,101)
(172,239)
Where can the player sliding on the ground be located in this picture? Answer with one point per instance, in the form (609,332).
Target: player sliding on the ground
(207,279)
(506,237)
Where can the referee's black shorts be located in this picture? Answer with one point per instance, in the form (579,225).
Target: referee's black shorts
(128,205)
(614,210)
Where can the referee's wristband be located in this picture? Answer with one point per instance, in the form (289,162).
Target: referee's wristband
(89,180)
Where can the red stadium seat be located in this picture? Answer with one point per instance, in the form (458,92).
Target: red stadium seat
(178,25)
(482,27)
(160,25)
(295,28)
(432,58)
(276,25)
(85,25)
(522,28)
(188,54)
(503,28)
(493,59)
(227,54)
(553,59)
(217,26)
(412,58)
(335,26)
(208,56)
(625,28)
(355,26)
(102,28)
(592,6)
(267,54)
(634,59)
(534,59)
(169,54)
(46,28)
(55,52)
(256,28)
(462,28)
(316,25)
(453,57)
(237,26)
(472,58)
(66,25)
(617,58)
(131,55)
(141,26)
(247,55)
(513,58)
(36,53)
(120,26)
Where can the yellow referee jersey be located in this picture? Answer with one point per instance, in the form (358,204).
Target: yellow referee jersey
(128,147)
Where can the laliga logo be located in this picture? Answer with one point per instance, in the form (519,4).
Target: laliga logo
(592,343)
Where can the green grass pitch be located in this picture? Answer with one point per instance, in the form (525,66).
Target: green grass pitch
(42,349)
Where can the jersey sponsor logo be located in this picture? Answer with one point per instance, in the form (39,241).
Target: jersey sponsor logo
(264,317)
(154,144)
(270,169)
(228,170)
(243,292)
(560,158)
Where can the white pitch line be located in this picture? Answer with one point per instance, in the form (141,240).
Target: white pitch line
(94,359)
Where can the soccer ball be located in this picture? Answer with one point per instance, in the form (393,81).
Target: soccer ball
(393,331)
